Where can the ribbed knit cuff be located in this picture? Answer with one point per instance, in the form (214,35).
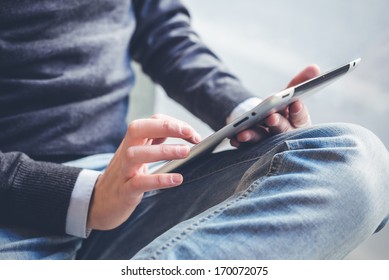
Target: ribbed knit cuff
(41,193)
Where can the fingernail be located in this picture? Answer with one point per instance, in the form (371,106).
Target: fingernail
(245,137)
(197,138)
(312,73)
(185,130)
(182,150)
(273,120)
(176,179)
(297,108)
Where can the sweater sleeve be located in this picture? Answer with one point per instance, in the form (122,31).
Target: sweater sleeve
(173,55)
(35,194)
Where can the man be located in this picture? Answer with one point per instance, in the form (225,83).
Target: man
(313,192)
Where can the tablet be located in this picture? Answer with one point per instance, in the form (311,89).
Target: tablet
(274,103)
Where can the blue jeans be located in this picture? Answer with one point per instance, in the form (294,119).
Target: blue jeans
(310,194)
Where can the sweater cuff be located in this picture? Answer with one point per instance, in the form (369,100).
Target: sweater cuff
(41,193)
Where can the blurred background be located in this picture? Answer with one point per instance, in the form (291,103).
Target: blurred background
(265,43)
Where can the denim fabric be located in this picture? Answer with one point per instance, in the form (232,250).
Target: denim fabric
(310,194)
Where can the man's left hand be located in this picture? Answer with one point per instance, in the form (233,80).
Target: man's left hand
(295,116)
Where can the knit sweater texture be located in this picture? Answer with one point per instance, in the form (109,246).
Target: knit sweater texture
(65,78)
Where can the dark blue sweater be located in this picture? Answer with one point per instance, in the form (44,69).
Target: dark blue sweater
(64,84)
(64,76)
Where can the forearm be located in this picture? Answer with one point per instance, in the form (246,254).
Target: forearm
(35,194)
(175,57)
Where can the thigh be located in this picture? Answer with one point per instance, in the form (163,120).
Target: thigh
(275,199)
(316,194)
(207,181)
(26,244)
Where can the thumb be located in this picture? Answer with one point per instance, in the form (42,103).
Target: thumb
(308,73)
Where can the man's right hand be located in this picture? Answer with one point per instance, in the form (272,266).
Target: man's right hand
(121,187)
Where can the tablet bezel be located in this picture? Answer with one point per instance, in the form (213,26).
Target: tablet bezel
(274,103)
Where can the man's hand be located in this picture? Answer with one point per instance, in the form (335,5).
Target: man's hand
(121,187)
(294,116)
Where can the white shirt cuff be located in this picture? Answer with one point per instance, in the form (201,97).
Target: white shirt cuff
(79,203)
(243,107)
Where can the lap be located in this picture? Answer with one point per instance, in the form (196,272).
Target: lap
(217,181)
(25,244)
(209,182)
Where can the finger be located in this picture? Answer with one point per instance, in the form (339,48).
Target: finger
(308,73)
(278,124)
(298,115)
(147,182)
(252,135)
(147,154)
(139,131)
(195,139)
(156,141)
(235,143)
(137,156)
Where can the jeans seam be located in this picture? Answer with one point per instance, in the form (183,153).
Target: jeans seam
(277,161)
(185,232)
(216,170)
(241,160)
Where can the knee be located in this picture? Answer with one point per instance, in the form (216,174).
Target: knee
(359,148)
(365,171)
(356,133)
(357,141)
